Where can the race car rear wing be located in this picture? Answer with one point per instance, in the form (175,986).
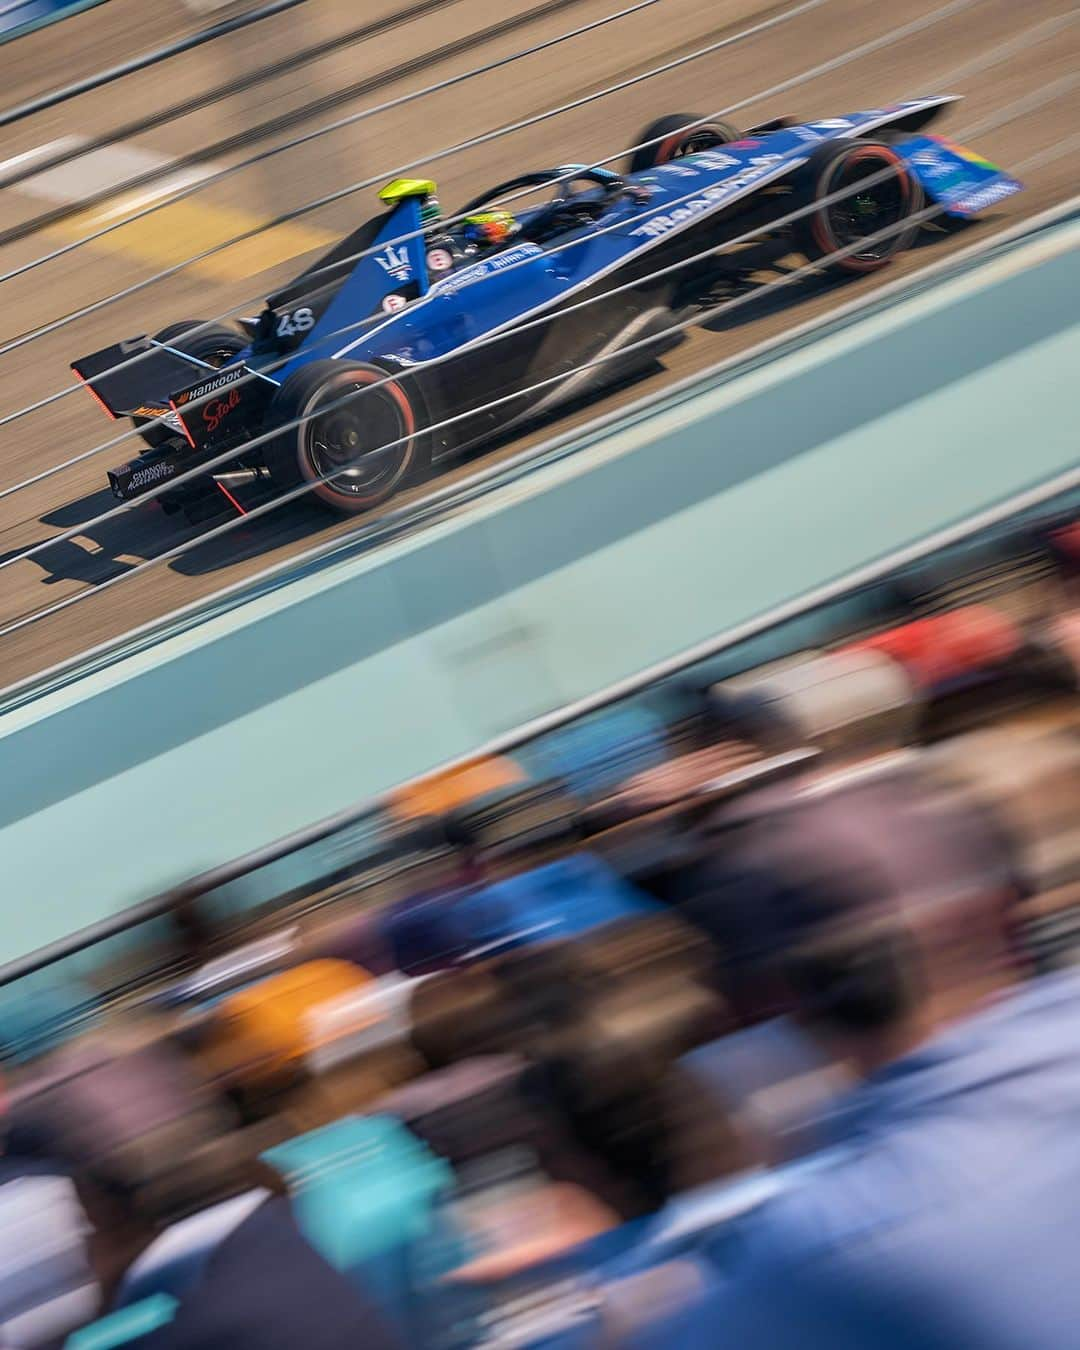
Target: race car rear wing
(225,401)
(128,388)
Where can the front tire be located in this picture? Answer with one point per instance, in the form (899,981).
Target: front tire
(359,441)
(674,138)
(861,213)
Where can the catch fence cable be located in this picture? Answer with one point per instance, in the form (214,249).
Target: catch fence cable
(707,316)
(826,67)
(918,25)
(1000,52)
(207,180)
(238,83)
(103,77)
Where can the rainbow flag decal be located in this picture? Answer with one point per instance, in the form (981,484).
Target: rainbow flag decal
(961,181)
(962,152)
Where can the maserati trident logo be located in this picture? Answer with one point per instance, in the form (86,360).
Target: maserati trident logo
(395,262)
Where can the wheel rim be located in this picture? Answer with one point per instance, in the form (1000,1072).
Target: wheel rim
(358,448)
(869,209)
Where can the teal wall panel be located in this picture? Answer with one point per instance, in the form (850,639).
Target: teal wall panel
(726,501)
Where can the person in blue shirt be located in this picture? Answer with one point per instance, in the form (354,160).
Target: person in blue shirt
(945,1210)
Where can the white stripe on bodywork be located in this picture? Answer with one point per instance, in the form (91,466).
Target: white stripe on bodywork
(781,169)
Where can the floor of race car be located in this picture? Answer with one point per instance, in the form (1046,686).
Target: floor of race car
(925,62)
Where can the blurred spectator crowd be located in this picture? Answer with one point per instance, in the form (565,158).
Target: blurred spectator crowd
(755,1027)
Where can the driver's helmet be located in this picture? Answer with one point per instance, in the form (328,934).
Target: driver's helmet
(490,229)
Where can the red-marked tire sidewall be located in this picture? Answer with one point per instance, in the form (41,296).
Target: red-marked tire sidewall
(676,131)
(820,225)
(667,150)
(335,387)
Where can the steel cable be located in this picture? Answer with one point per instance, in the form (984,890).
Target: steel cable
(852,54)
(996,54)
(938,16)
(219,175)
(1001,51)
(237,84)
(102,77)
(706,316)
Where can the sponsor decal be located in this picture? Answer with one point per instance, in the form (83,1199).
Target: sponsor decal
(170,419)
(681,170)
(440,260)
(983,197)
(222,381)
(749,144)
(489,267)
(153,473)
(393,302)
(713,196)
(932,165)
(395,262)
(652,229)
(832,124)
(715,159)
(962,180)
(216,411)
(806,133)
(760,165)
(295,321)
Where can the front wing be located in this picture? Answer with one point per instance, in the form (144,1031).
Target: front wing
(958,179)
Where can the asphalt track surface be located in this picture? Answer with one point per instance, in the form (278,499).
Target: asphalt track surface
(38,212)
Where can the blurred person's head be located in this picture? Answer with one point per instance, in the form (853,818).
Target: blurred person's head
(551,1153)
(648,947)
(1029,775)
(602,1020)
(610,1069)
(457,1014)
(525,1189)
(1063,539)
(549,983)
(126,1215)
(140,1132)
(104,1099)
(875,908)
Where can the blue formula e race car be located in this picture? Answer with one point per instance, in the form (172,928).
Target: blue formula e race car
(419,336)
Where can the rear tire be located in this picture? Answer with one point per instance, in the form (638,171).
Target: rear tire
(365,411)
(674,139)
(883,206)
(215,344)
